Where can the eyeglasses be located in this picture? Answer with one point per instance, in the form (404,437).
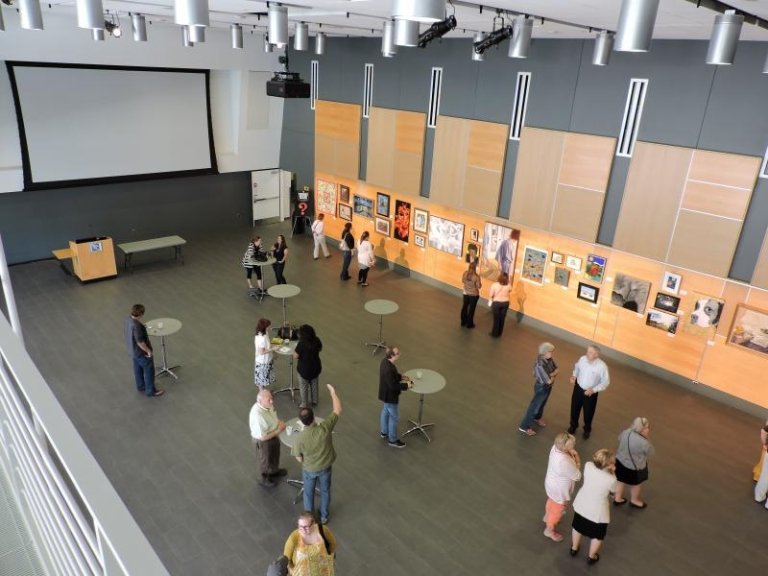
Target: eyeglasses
(307,527)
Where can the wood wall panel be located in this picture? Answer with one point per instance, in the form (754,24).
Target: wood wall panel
(577,212)
(714,199)
(396,149)
(475,195)
(407,176)
(487,145)
(736,372)
(760,274)
(337,138)
(705,243)
(726,169)
(587,161)
(448,161)
(380,163)
(410,129)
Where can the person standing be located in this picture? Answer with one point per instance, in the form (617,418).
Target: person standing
(632,462)
(311,549)
(263,371)
(365,258)
(140,349)
(761,488)
(308,364)
(318,234)
(498,300)
(544,372)
(563,471)
(265,429)
(280,252)
(347,246)
(314,449)
(391,384)
(254,247)
(471,290)
(590,377)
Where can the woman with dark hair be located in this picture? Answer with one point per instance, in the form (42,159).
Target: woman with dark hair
(254,247)
(280,251)
(498,300)
(365,258)
(263,373)
(308,364)
(632,462)
(347,246)
(471,290)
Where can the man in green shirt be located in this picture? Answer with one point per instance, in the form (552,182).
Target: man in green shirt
(314,449)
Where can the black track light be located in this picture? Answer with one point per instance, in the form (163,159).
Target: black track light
(113,29)
(437,30)
(493,38)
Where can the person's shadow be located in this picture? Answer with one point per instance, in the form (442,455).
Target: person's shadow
(401,264)
(380,252)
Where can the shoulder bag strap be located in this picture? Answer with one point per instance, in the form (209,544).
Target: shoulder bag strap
(629,451)
(325,540)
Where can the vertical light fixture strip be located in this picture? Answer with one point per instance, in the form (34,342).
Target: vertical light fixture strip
(764,167)
(434,97)
(367,90)
(633,112)
(313,89)
(520,106)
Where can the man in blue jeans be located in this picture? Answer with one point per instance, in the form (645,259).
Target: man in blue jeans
(140,349)
(544,372)
(391,384)
(314,449)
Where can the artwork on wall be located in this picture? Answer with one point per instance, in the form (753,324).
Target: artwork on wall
(557,258)
(343,193)
(749,329)
(630,293)
(402,220)
(667,302)
(704,315)
(499,250)
(363,206)
(446,235)
(419,240)
(326,197)
(345,212)
(573,263)
(595,268)
(383,226)
(662,320)
(472,253)
(588,293)
(534,264)
(382,204)
(671,282)
(420,219)
(562,276)
(474,234)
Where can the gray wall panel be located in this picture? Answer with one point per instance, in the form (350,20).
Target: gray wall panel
(752,234)
(613,196)
(508,179)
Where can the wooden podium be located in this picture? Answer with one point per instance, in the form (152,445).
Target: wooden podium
(93,258)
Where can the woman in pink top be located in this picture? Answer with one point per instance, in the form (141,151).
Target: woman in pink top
(498,300)
(563,472)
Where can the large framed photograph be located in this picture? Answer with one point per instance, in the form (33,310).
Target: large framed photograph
(562,276)
(420,220)
(662,320)
(749,329)
(588,292)
(704,315)
(534,264)
(402,220)
(382,204)
(419,240)
(499,250)
(573,262)
(667,302)
(594,269)
(363,206)
(671,282)
(446,235)
(345,212)
(383,226)
(325,200)
(630,293)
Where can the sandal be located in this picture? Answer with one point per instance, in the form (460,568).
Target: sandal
(573,552)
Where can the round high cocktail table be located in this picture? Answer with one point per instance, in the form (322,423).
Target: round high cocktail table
(425,381)
(283,291)
(164,327)
(287,351)
(256,292)
(381,308)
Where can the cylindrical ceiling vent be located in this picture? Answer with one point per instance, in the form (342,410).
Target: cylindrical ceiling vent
(32,16)
(603,47)
(192,13)
(320,44)
(139,23)
(301,37)
(406,33)
(725,38)
(521,37)
(419,10)
(196,34)
(90,14)
(278,25)
(236,32)
(635,29)
(185,39)
(267,44)
(388,48)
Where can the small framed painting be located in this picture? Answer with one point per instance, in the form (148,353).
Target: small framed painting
(420,220)
(662,320)
(419,240)
(383,226)
(573,263)
(472,253)
(666,302)
(363,206)
(588,293)
(562,276)
(345,212)
(703,315)
(595,268)
(534,264)
(556,257)
(671,282)
(382,204)
(343,194)
(474,234)
(749,329)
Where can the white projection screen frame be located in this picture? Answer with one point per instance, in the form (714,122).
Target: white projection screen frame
(81,125)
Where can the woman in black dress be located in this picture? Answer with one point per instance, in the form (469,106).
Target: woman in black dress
(280,251)
(308,364)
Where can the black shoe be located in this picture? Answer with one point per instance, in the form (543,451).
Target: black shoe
(267,483)
(573,552)
(278,473)
(639,506)
(587,435)
(571,429)
(470,326)
(396,444)
(383,434)
(591,560)
(619,502)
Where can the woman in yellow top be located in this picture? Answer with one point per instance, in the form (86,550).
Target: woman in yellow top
(311,549)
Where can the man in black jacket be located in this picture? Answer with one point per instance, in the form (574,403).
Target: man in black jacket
(391,384)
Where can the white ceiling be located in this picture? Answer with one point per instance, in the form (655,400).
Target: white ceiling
(677,19)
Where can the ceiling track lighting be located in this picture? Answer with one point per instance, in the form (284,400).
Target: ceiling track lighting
(197,34)
(185,39)
(388,47)
(406,33)
(495,37)
(320,44)
(418,10)
(112,26)
(477,56)
(521,37)
(725,38)
(301,37)
(191,13)
(98,34)
(236,33)
(139,25)
(635,29)
(31,15)
(437,30)
(603,47)
(267,44)
(278,25)
(90,14)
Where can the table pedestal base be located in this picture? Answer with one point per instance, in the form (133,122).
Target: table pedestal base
(380,345)
(418,426)
(165,369)
(300,485)
(257,293)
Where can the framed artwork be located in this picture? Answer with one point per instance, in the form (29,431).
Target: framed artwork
(419,240)
(499,250)
(588,292)
(749,329)
(595,268)
(556,257)
(446,235)
(573,263)
(382,204)
(671,282)
(472,253)
(704,315)
(326,197)
(474,234)
(666,302)
(420,219)
(662,320)
(363,206)
(630,293)
(402,220)
(562,276)
(383,226)
(534,264)
(345,212)
(343,193)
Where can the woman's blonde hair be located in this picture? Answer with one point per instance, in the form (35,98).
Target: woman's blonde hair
(563,439)
(639,423)
(603,458)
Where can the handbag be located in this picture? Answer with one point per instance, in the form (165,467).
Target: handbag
(278,567)
(640,475)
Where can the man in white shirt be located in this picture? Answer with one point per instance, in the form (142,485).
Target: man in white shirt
(318,233)
(590,377)
(265,429)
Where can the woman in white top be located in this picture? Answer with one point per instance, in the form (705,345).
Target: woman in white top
(563,471)
(592,513)
(365,259)
(263,373)
(318,233)
(498,300)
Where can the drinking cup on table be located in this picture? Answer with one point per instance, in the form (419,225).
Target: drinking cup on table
(289,430)
(418,374)
(159,325)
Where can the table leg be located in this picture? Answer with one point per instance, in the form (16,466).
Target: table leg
(300,485)
(290,387)
(165,369)
(419,424)
(380,344)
